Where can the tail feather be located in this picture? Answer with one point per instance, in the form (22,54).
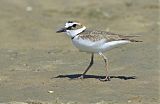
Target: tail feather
(131,36)
(132,40)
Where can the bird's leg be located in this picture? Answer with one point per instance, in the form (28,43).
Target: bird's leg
(91,63)
(107,78)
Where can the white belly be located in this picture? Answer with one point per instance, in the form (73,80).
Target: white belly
(97,46)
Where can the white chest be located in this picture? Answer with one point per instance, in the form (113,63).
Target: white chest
(86,45)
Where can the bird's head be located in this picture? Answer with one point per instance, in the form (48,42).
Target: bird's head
(72,28)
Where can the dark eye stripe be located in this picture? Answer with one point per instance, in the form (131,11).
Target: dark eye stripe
(69,28)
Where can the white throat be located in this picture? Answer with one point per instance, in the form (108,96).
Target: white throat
(73,33)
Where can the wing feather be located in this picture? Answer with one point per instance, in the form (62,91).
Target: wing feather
(96,35)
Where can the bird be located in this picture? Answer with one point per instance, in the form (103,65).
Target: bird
(94,42)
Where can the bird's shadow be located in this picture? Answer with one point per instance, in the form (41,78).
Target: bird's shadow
(75,76)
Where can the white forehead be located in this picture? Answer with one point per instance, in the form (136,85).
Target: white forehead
(70,24)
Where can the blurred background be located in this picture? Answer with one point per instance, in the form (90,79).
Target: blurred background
(32,54)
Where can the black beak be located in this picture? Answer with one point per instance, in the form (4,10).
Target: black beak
(61,30)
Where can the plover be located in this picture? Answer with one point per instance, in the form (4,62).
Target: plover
(94,41)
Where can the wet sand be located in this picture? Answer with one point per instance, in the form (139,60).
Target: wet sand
(38,66)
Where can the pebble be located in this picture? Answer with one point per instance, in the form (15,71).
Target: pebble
(129,101)
(29,8)
(50,91)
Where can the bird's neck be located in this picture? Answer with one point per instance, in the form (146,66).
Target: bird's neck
(73,33)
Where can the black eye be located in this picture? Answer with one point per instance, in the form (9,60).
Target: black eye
(74,25)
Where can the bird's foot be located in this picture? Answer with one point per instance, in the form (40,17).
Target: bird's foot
(107,78)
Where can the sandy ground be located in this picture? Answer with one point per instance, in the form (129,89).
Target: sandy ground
(38,66)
